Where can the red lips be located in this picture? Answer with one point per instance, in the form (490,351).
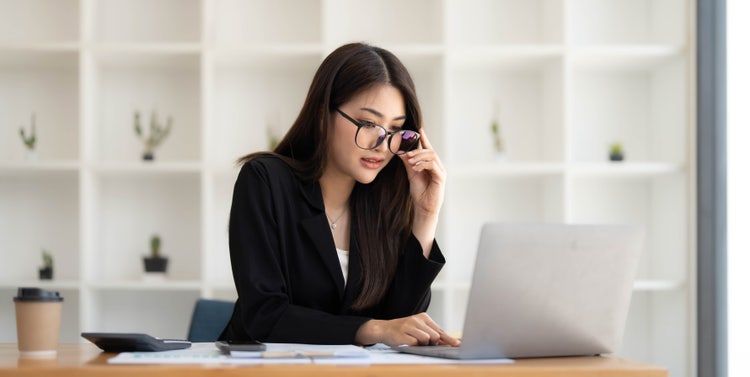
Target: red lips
(372,162)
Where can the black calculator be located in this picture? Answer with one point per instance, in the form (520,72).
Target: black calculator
(133,342)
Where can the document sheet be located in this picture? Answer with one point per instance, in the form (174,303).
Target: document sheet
(283,353)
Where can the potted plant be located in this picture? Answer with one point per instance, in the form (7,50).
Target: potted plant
(615,152)
(497,141)
(46,272)
(157,134)
(29,140)
(497,136)
(155,263)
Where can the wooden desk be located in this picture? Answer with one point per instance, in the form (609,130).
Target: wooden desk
(87,360)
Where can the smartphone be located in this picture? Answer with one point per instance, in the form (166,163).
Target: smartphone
(226,346)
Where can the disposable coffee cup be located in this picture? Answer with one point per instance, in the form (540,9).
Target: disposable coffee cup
(38,317)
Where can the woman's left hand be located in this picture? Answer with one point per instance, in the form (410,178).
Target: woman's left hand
(426,178)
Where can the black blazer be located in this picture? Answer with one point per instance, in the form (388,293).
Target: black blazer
(287,272)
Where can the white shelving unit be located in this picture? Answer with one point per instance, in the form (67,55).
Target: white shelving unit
(565,78)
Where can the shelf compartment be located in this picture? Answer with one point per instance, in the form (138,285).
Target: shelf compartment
(503,56)
(129,210)
(592,22)
(70,327)
(491,22)
(218,264)
(455,311)
(659,203)
(436,310)
(524,94)
(657,286)
(223,292)
(168,83)
(253,97)
(42,83)
(53,285)
(39,212)
(495,199)
(643,106)
(623,58)
(506,169)
(142,312)
(657,331)
(146,168)
(393,22)
(427,73)
(39,21)
(265,22)
(34,168)
(625,169)
(147,284)
(128,52)
(147,21)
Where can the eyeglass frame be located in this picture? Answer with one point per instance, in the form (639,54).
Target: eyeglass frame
(388,134)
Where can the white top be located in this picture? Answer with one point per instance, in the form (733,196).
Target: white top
(344,261)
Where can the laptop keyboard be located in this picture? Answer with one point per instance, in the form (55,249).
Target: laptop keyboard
(447,352)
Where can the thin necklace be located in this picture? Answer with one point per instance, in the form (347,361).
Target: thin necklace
(333,222)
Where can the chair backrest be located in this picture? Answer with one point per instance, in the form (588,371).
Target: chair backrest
(209,319)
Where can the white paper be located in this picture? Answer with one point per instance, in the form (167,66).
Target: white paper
(206,353)
(382,354)
(198,353)
(295,350)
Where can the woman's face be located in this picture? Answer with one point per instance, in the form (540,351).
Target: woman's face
(383,105)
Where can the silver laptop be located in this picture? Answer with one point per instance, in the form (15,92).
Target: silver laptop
(547,290)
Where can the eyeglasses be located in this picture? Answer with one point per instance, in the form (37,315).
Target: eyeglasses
(370,135)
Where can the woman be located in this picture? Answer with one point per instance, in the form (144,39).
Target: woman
(332,236)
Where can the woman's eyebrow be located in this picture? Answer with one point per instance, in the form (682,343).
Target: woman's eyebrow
(379,114)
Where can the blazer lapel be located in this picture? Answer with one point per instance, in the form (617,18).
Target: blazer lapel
(317,228)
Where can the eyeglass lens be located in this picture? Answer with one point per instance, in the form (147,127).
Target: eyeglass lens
(369,136)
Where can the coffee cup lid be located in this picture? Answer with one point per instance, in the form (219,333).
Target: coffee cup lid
(37,295)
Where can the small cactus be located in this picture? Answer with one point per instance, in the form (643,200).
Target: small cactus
(616,152)
(47,260)
(157,133)
(30,140)
(155,246)
(498,141)
(497,134)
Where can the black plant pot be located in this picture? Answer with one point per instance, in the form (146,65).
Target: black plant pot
(46,273)
(616,157)
(155,264)
(148,156)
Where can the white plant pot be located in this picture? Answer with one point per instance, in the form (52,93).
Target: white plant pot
(31,155)
(501,157)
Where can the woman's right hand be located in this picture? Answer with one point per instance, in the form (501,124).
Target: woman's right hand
(418,329)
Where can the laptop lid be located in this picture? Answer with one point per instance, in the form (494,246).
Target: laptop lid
(547,290)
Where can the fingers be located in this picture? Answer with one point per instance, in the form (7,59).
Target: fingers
(422,159)
(419,329)
(424,336)
(444,337)
(449,340)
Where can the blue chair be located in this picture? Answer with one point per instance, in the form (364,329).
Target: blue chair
(209,319)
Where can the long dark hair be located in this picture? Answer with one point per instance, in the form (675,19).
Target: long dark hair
(382,211)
